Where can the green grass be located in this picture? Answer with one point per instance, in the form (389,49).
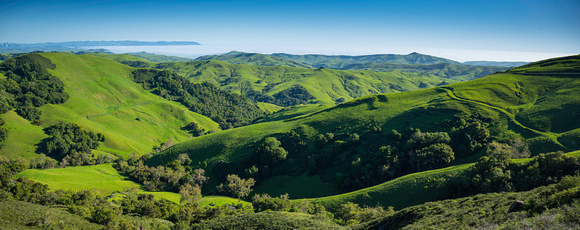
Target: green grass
(24,215)
(270,108)
(555,65)
(22,138)
(104,99)
(102,179)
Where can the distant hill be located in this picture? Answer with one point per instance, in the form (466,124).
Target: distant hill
(495,63)
(327,86)
(79,45)
(339,61)
(159,58)
(412,63)
(235,57)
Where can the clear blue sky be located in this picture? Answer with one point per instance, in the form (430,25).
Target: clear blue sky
(505,25)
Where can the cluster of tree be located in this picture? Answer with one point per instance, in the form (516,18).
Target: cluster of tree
(413,151)
(69,142)
(496,173)
(294,95)
(236,186)
(227,109)
(172,177)
(29,85)
(194,129)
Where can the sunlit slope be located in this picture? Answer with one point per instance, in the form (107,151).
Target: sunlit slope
(23,137)
(495,99)
(326,85)
(104,99)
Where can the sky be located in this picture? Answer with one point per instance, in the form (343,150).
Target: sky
(464,30)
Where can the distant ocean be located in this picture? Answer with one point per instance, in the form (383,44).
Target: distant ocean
(461,55)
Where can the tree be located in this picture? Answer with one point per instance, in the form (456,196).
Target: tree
(236,186)
(270,152)
(190,194)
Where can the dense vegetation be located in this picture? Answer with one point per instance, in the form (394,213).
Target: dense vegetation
(227,109)
(294,95)
(70,143)
(29,85)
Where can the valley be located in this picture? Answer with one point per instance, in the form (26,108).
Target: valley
(242,139)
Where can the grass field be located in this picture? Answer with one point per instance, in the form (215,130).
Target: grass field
(102,179)
(22,138)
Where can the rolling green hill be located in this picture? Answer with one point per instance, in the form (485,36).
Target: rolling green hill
(326,85)
(104,99)
(510,105)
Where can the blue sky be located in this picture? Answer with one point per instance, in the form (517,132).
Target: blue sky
(317,25)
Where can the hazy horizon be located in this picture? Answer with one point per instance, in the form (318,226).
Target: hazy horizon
(506,30)
(453,54)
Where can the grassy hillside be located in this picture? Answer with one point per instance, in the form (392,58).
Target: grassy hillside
(502,100)
(23,137)
(547,207)
(326,85)
(102,179)
(104,99)
(555,65)
(253,59)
